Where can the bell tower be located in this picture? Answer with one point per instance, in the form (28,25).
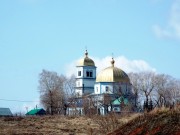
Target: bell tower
(85,76)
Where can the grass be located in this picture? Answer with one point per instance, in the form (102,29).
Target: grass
(158,122)
(54,125)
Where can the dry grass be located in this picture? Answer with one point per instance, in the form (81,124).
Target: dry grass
(112,122)
(45,125)
(158,122)
(60,125)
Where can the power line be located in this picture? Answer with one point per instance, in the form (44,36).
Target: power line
(13,100)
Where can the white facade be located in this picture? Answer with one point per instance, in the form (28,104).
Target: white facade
(85,79)
(112,88)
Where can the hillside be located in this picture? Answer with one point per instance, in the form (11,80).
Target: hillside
(158,122)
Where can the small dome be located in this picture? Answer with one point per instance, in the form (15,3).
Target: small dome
(86,61)
(112,74)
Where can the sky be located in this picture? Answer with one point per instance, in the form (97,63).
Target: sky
(53,35)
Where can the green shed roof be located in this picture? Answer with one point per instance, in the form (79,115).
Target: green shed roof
(34,111)
(119,100)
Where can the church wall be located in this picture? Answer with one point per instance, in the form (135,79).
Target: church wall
(97,88)
(74,111)
(103,87)
(77,70)
(125,88)
(106,88)
(85,79)
(78,92)
(88,82)
(89,69)
(110,87)
(83,71)
(88,90)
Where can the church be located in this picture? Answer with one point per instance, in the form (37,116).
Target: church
(109,90)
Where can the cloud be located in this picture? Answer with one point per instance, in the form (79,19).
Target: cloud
(175,18)
(172,28)
(120,62)
(161,33)
(70,68)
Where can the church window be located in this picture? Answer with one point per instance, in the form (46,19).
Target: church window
(79,73)
(91,74)
(87,73)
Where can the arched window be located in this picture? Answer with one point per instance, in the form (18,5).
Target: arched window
(89,73)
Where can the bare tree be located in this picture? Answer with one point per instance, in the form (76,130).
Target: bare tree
(51,91)
(143,84)
(162,87)
(174,88)
(89,105)
(136,85)
(69,86)
(167,90)
(147,80)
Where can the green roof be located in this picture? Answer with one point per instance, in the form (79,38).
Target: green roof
(33,112)
(119,100)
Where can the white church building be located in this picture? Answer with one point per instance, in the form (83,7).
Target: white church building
(112,82)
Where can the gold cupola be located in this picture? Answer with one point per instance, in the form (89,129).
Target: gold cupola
(86,61)
(112,74)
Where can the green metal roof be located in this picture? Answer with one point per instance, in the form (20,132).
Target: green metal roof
(33,112)
(119,100)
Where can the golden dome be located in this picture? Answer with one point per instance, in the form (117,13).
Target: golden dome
(86,61)
(112,74)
